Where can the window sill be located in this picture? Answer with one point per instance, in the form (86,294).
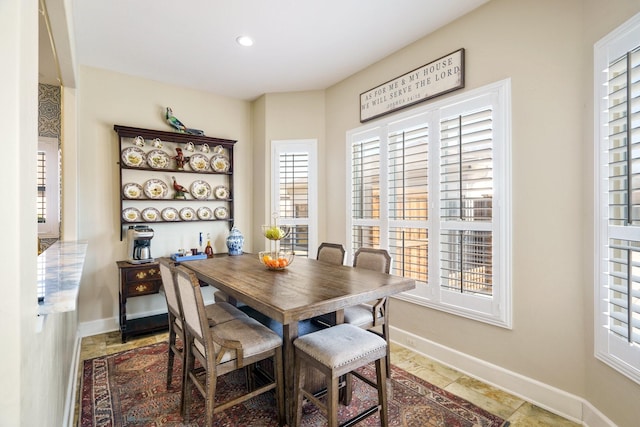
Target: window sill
(59,273)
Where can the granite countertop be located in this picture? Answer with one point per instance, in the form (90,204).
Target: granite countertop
(59,273)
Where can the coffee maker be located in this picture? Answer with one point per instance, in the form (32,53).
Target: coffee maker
(139,238)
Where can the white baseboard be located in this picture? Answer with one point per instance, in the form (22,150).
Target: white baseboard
(70,400)
(543,395)
(101,326)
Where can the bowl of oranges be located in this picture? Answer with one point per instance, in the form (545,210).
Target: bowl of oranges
(276,260)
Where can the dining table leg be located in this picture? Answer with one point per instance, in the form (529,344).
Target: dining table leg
(289,335)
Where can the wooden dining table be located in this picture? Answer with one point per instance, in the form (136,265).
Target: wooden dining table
(306,289)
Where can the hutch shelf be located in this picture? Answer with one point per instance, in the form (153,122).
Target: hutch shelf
(149,160)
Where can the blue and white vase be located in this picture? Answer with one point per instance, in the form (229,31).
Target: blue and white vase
(235,240)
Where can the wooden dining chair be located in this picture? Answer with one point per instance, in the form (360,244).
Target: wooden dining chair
(375,313)
(221,349)
(221,312)
(333,253)
(336,352)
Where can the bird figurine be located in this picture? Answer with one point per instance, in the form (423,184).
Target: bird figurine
(180,190)
(180,159)
(176,123)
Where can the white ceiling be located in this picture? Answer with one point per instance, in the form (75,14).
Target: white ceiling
(299,44)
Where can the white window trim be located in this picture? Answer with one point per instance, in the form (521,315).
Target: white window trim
(51,228)
(309,146)
(608,348)
(498,309)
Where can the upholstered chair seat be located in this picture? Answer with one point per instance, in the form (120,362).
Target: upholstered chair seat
(223,348)
(337,351)
(375,313)
(360,315)
(217,313)
(248,331)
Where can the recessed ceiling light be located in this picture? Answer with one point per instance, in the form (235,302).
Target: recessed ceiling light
(245,41)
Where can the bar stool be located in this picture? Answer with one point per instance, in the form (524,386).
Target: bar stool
(337,351)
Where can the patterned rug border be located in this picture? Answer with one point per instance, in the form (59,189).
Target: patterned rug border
(104,400)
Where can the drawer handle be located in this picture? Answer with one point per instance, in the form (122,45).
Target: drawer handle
(141,274)
(141,288)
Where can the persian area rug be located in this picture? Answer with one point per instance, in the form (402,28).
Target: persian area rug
(129,389)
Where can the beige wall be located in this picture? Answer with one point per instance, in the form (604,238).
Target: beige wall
(281,116)
(36,363)
(545,47)
(104,99)
(501,43)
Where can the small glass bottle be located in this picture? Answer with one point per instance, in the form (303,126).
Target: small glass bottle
(208,250)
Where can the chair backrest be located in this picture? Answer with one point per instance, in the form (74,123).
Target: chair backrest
(193,310)
(372,259)
(332,253)
(168,283)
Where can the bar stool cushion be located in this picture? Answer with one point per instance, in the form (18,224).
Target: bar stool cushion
(342,346)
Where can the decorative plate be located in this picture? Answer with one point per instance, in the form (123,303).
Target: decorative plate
(187,214)
(133,157)
(132,190)
(199,162)
(169,214)
(204,213)
(221,192)
(131,214)
(156,189)
(220,164)
(221,212)
(158,159)
(200,190)
(150,214)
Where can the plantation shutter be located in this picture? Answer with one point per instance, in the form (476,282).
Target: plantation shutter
(466,194)
(295,193)
(623,283)
(408,158)
(432,186)
(365,193)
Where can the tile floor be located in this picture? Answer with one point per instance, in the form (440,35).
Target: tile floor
(519,412)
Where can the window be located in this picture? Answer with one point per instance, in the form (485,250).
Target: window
(42,187)
(617,232)
(48,210)
(432,187)
(295,193)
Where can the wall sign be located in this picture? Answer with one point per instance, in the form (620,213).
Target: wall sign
(434,79)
